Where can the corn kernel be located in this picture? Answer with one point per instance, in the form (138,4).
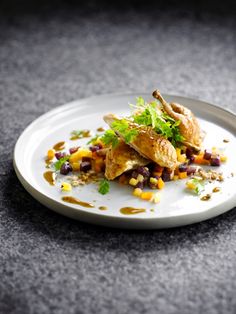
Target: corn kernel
(223,158)
(153,180)
(133,181)
(51,154)
(175,177)
(65,186)
(157,198)
(182,158)
(137,192)
(147,196)
(178,151)
(140,178)
(190,185)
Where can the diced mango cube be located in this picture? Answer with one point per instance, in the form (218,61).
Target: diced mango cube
(153,180)
(82,152)
(223,158)
(133,181)
(137,192)
(66,187)
(160,184)
(140,178)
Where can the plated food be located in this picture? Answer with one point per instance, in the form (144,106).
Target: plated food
(72,136)
(157,142)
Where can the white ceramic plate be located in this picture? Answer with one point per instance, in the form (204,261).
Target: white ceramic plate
(177,206)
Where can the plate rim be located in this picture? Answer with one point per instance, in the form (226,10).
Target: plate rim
(132,220)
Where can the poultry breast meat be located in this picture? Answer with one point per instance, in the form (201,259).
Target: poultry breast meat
(148,143)
(122,158)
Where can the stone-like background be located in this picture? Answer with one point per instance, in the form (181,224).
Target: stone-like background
(55,52)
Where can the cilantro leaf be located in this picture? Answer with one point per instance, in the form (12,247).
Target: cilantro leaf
(104,187)
(57,165)
(110,137)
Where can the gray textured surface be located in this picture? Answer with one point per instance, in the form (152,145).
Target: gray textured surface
(50,264)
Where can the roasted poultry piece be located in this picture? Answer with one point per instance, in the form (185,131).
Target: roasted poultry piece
(122,158)
(148,143)
(189,126)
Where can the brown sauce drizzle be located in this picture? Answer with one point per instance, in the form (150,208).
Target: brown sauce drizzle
(73,200)
(81,134)
(131,210)
(102,208)
(49,177)
(206,197)
(59,146)
(48,161)
(101,129)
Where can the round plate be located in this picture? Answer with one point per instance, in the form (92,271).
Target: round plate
(177,207)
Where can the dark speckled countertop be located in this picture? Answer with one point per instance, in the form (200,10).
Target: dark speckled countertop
(51,264)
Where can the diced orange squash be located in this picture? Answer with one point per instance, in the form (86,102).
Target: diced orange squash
(160,184)
(98,164)
(200,160)
(146,196)
(50,154)
(183,175)
(75,166)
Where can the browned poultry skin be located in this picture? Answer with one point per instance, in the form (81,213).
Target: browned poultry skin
(122,158)
(189,126)
(149,144)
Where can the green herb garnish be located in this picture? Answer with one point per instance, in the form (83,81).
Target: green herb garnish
(122,126)
(104,187)
(57,165)
(77,134)
(110,138)
(162,123)
(199,185)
